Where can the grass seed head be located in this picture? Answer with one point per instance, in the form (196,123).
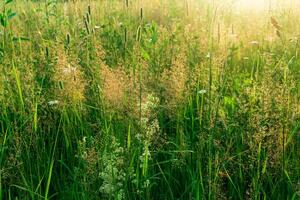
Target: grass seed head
(174,83)
(69,79)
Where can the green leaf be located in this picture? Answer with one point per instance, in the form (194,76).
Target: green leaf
(51,2)
(20,38)
(145,55)
(3,21)
(10,14)
(229,102)
(8,1)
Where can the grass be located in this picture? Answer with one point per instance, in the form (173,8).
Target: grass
(149,100)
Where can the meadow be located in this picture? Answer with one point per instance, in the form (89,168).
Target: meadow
(149,100)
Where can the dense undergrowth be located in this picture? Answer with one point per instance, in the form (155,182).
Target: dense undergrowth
(148,100)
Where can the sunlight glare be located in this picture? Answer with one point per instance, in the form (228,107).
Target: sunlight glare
(253,4)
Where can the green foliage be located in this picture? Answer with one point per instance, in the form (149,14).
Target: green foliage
(118,100)
(7,14)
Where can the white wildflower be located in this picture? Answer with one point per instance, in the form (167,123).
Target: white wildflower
(113,175)
(69,70)
(203,91)
(254,42)
(208,55)
(52,103)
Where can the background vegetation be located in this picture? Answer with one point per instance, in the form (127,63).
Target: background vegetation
(149,100)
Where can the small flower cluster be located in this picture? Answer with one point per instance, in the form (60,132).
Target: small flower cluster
(149,122)
(113,174)
(150,132)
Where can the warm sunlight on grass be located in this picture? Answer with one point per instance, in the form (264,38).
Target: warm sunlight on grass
(259,5)
(150,99)
(254,4)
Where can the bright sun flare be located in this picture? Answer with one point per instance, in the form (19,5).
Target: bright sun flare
(253,4)
(266,4)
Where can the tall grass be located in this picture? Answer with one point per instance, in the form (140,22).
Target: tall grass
(149,100)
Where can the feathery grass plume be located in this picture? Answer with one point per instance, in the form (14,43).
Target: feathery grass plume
(69,78)
(19,80)
(88,153)
(117,88)
(275,23)
(12,164)
(174,83)
(114,85)
(88,171)
(266,122)
(27,78)
(277,27)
